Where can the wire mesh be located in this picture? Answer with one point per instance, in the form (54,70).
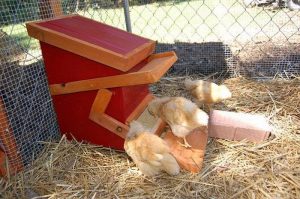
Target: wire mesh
(234,37)
(256,38)
(23,87)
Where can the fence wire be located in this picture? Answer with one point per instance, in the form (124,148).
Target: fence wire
(237,37)
(255,38)
(23,87)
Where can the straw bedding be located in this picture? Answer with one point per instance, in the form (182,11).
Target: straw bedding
(231,169)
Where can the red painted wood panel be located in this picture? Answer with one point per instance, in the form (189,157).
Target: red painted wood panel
(73,109)
(97,33)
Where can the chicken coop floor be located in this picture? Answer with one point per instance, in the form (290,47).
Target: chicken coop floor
(231,169)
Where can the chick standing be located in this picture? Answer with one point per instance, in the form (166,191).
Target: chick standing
(149,152)
(182,115)
(207,92)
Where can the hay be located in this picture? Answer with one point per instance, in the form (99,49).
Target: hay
(231,169)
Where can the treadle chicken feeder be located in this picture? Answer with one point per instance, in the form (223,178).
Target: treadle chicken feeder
(98,76)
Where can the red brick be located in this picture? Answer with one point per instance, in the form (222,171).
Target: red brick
(238,126)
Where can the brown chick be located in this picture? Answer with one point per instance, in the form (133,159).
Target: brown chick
(181,114)
(207,92)
(149,152)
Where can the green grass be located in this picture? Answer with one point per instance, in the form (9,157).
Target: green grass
(19,33)
(194,21)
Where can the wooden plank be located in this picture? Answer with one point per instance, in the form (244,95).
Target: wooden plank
(138,54)
(110,124)
(50,8)
(114,125)
(8,140)
(101,101)
(139,109)
(150,73)
(98,116)
(161,55)
(56,8)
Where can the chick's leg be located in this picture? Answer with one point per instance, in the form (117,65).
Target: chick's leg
(185,143)
(208,107)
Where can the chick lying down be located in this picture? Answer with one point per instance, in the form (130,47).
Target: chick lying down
(150,153)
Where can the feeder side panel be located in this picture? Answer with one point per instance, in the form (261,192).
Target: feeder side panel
(63,66)
(73,116)
(73,109)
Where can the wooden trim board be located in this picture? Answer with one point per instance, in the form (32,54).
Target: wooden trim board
(111,124)
(150,73)
(98,116)
(56,7)
(101,102)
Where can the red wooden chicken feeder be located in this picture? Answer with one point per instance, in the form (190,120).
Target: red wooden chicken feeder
(98,76)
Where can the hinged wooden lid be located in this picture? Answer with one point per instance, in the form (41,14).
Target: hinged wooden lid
(93,40)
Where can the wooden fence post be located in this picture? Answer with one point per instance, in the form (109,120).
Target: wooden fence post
(50,8)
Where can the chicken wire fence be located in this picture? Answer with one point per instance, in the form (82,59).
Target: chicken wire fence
(256,38)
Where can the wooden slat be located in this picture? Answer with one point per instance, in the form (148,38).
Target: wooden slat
(150,73)
(50,8)
(9,143)
(101,101)
(137,55)
(139,109)
(98,115)
(160,55)
(111,124)
(56,7)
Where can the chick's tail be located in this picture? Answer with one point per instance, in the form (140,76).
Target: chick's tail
(201,117)
(135,128)
(170,165)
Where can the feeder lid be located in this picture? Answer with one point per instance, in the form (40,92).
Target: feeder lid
(94,40)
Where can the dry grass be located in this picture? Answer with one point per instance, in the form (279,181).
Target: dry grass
(232,169)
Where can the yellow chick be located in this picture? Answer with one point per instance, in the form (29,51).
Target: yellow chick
(181,114)
(207,92)
(149,152)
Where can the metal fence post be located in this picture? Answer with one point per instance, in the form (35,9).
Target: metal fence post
(127,15)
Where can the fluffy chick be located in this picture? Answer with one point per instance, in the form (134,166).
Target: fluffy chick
(207,92)
(149,152)
(181,114)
